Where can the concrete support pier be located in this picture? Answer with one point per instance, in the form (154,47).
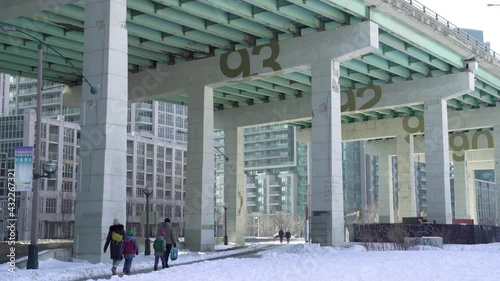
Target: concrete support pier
(234,185)
(101,192)
(199,199)
(407,203)
(327,194)
(437,161)
(496,142)
(461,184)
(386,190)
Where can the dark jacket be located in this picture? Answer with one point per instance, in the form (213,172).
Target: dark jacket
(288,235)
(130,247)
(170,236)
(280,233)
(115,248)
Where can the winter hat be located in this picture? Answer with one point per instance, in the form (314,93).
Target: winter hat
(116,221)
(130,232)
(162,233)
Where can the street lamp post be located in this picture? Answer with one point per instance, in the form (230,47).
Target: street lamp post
(147,243)
(50,166)
(225,223)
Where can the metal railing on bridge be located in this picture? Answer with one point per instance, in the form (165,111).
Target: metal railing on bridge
(462,33)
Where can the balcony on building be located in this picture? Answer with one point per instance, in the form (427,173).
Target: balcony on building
(143,120)
(142,106)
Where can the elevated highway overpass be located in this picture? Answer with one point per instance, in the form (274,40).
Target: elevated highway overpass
(344,64)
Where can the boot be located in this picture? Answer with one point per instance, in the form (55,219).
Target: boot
(113,270)
(156,268)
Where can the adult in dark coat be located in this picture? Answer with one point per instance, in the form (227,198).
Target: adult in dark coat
(288,235)
(280,233)
(116,253)
(170,238)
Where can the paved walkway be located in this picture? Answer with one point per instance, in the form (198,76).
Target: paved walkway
(248,254)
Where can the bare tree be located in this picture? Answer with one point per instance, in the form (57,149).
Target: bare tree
(370,214)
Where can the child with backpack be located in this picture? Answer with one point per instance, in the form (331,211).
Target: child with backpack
(130,250)
(160,247)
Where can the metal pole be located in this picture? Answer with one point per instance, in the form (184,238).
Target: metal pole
(33,248)
(147,246)
(225,225)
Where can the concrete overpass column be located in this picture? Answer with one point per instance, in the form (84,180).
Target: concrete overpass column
(200,178)
(461,186)
(437,161)
(407,202)
(496,143)
(327,194)
(385,190)
(101,193)
(234,185)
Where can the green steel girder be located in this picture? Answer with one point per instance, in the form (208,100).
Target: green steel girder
(404,110)
(260,93)
(231,97)
(364,69)
(53,75)
(29,53)
(401,59)
(187,20)
(210,14)
(275,88)
(290,12)
(246,10)
(454,104)
(149,22)
(234,90)
(487,88)
(322,9)
(469,100)
(298,77)
(357,77)
(486,98)
(164,38)
(285,82)
(382,63)
(33,61)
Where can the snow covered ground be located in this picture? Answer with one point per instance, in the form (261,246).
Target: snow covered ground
(297,261)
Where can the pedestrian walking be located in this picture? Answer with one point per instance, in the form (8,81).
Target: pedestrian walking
(114,240)
(160,247)
(170,238)
(130,250)
(288,235)
(280,233)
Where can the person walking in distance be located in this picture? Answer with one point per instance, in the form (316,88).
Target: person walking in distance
(288,235)
(170,238)
(280,233)
(115,237)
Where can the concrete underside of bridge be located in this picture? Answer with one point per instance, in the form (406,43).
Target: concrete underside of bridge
(101,196)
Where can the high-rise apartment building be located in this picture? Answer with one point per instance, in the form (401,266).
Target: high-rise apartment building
(4,94)
(156,146)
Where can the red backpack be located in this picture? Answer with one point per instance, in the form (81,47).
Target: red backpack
(128,247)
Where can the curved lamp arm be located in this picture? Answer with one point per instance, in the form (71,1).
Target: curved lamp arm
(11,28)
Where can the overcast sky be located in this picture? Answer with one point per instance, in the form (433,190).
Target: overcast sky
(473,14)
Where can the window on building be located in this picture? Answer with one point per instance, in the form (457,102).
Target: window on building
(178,211)
(67,186)
(68,206)
(67,171)
(139,208)
(50,205)
(168,211)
